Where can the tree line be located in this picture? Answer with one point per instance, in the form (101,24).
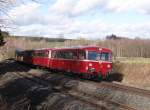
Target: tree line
(121,47)
(128,47)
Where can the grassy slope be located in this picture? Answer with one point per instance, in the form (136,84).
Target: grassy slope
(136,71)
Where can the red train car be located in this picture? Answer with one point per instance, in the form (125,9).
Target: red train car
(86,61)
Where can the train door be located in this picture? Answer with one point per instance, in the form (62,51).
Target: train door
(54,60)
(37,58)
(81,62)
(40,58)
(45,58)
(49,59)
(74,61)
(27,57)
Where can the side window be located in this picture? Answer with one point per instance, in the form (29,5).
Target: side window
(36,54)
(64,54)
(46,54)
(82,55)
(75,57)
(27,54)
(53,54)
(68,55)
(58,54)
(40,54)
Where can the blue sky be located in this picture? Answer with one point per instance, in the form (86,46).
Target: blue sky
(92,19)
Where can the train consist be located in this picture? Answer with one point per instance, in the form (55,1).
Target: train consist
(91,62)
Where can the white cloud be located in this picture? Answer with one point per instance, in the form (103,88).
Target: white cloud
(128,5)
(83,6)
(63,6)
(77,7)
(25,14)
(29,19)
(93,29)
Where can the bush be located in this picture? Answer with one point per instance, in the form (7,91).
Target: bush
(1,37)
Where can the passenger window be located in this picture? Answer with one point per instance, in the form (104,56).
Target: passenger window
(54,54)
(82,55)
(64,54)
(75,57)
(46,54)
(39,54)
(59,54)
(68,55)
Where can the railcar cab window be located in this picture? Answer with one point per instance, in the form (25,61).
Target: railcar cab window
(106,56)
(92,55)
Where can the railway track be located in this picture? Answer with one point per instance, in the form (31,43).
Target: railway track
(92,99)
(40,81)
(124,88)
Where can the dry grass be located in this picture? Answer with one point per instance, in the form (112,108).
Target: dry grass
(135,73)
(132,60)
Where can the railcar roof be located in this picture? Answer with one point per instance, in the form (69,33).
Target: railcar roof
(85,48)
(94,48)
(43,49)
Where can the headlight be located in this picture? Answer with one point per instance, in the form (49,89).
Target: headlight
(90,64)
(108,66)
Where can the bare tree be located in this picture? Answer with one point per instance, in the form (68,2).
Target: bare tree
(5,6)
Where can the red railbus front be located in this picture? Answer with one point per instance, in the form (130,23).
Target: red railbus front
(97,63)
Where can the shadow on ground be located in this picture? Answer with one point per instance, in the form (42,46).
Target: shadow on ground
(118,77)
(10,65)
(29,94)
(22,94)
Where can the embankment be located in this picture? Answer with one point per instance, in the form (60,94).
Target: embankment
(135,74)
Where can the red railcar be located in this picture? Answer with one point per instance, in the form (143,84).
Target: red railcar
(86,61)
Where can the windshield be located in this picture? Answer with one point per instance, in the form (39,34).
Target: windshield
(105,56)
(93,56)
